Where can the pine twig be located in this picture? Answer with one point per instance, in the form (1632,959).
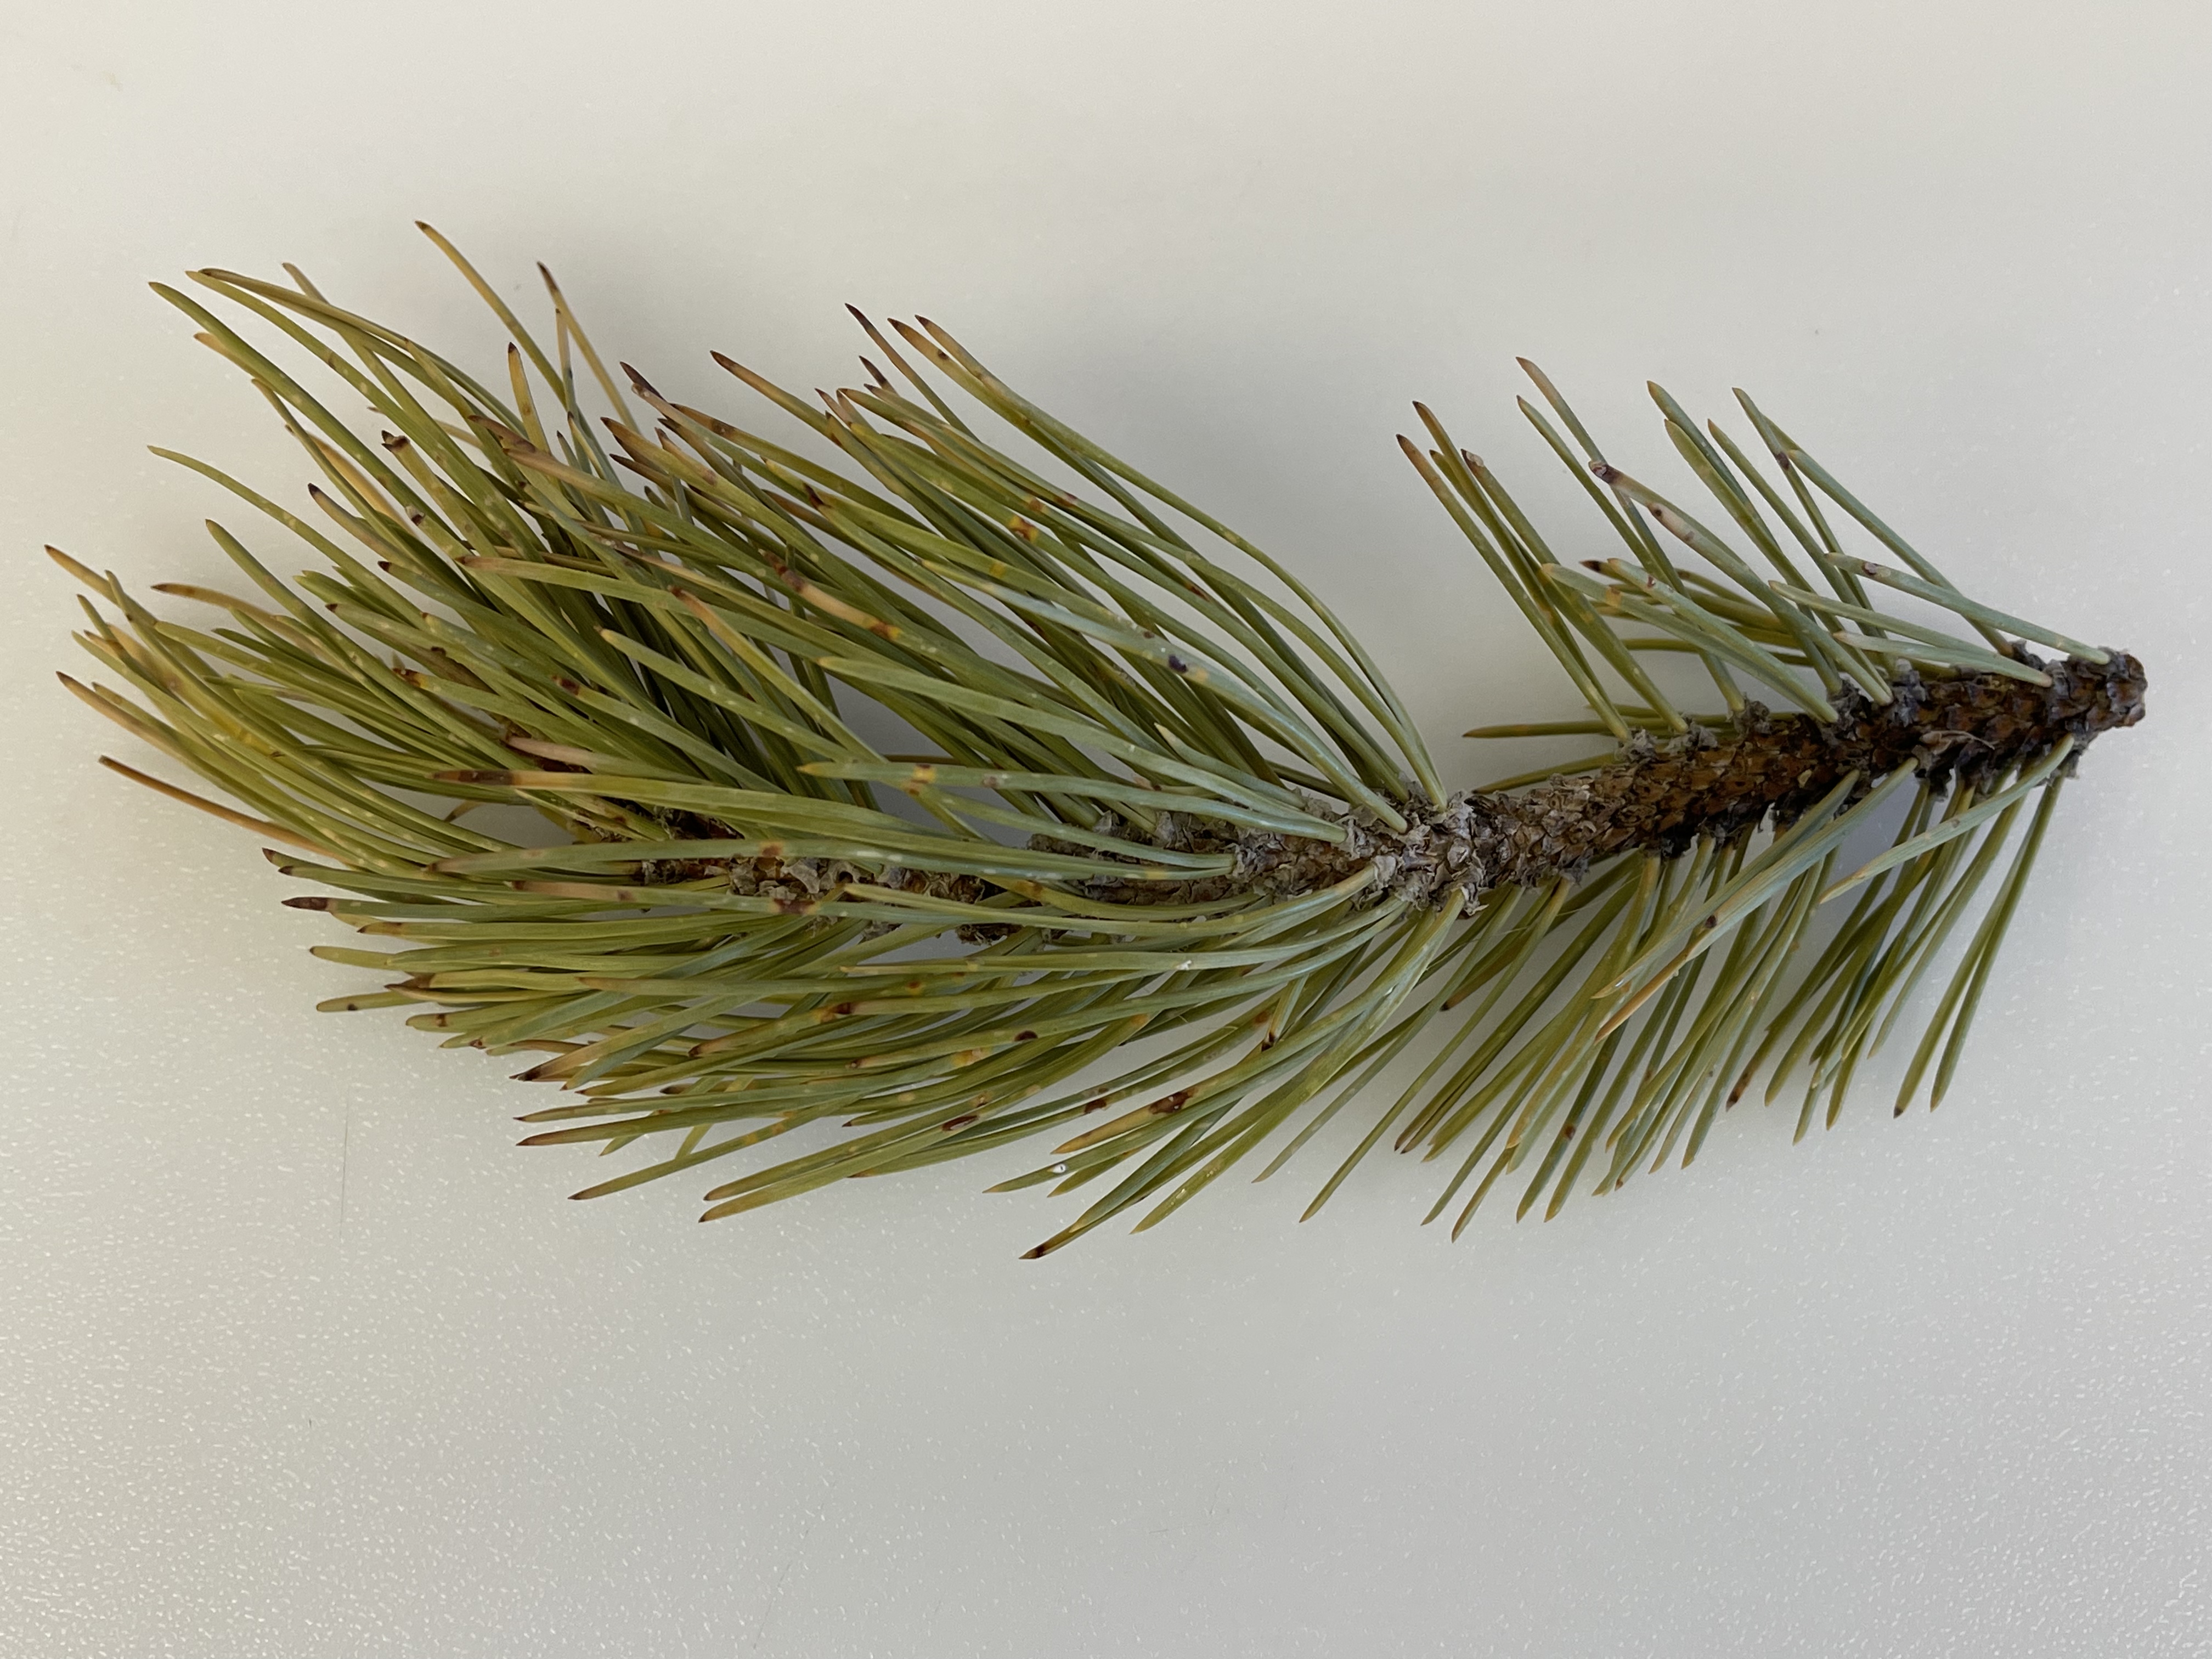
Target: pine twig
(893,799)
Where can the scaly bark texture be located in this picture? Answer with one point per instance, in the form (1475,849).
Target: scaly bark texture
(1969,730)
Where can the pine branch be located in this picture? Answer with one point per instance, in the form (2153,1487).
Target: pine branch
(895,799)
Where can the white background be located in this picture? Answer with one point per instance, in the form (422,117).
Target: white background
(299,1358)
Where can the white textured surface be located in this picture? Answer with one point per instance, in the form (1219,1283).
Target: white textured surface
(298,1357)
